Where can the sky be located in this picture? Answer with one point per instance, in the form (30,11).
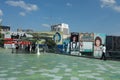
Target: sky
(98,16)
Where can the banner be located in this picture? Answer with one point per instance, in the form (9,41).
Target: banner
(57,37)
(74,43)
(86,42)
(86,46)
(66,47)
(99,40)
(86,37)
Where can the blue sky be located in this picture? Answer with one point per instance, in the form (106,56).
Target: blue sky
(100,16)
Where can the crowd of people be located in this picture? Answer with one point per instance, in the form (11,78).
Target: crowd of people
(20,47)
(29,48)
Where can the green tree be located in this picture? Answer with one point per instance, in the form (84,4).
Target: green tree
(51,45)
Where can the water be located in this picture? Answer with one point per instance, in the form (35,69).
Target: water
(51,66)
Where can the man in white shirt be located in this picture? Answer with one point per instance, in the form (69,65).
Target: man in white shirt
(103,53)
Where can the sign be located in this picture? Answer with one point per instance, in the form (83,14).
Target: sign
(99,40)
(86,46)
(86,37)
(86,42)
(74,43)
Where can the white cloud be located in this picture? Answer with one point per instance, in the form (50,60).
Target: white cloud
(22,4)
(25,6)
(68,4)
(117,8)
(1,12)
(22,13)
(111,4)
(46,25)
(108,2)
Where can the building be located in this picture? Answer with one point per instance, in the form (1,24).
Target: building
(25,30)
(16,37)
(4,28)
(61,28)
(10,36)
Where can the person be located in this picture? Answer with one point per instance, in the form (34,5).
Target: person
(103,53)
(17,47)
(33,47)
(13,47)
(30,48)
(97,46)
